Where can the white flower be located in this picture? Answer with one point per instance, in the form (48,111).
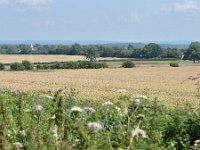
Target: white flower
(126,111)
(196,145)
(119,111)
(77,109)
(49,97)
(108,103)
(120,91)
(9,133)
(23,133)
(96,126)
(53,117)
(18,145)
(38,107)
(138,133)
(141,97)
(136,102)
(28,110)
(140,116)
(89,110)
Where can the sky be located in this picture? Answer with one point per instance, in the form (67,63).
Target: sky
(105,20)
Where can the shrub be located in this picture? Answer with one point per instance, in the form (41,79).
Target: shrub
(17,67)
(128,64)
(27,64)
(73,65)
(174,64)
(2,67)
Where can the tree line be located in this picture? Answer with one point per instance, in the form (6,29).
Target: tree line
(151,50)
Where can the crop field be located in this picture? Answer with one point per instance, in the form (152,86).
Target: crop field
(171,85)
(44,58)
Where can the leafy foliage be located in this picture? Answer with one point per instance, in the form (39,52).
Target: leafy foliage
(2,66)
(28,65)
(62,121)
(174,64)
(128,64)
(17,67)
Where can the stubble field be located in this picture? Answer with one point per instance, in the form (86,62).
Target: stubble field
(170,85)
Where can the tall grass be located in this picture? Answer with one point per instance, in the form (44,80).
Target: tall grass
(60,121)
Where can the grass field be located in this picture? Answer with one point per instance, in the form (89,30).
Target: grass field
(166,83)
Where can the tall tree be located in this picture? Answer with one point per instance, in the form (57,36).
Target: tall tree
(193,52)
(91,53)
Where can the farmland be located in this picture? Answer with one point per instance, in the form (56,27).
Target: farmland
(168,84)
(44,58)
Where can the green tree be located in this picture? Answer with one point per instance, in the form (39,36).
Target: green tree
(91,53)
(75,49)
(151,50)
(193,52)
(174,53)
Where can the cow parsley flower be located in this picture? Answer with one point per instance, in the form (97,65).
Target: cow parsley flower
(108,103)
(138,133)
(77,109)
(89,110)
(96,126)
(141,97)
(18,145)
(38,107)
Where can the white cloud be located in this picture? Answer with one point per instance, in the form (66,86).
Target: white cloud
(3,2)
(187,5)
(33,2)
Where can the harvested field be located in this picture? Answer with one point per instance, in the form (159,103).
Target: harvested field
(166,83)
(44,58)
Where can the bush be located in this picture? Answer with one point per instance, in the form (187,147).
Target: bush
(128,64)
(174,64)
(73,65)
(17,67)
(2,67)
(27,64)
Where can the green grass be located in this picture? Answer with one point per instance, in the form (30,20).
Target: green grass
(61,122)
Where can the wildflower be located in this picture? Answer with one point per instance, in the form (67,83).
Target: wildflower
(89,110)
(38,107)
(120,91)
(77,109)
(138,133)
(141,97)
(18,145)
(49,97)
(196,145)
(28,110)
(119,111)
(126,111)
(136,102)
(23,133)
(140,116)
(96,126)
(108,103)
(8,133)
(53,117)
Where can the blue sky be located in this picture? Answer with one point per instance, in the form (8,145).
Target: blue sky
(107,20)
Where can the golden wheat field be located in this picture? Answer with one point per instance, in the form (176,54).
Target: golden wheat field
(43,58)
(168,84)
